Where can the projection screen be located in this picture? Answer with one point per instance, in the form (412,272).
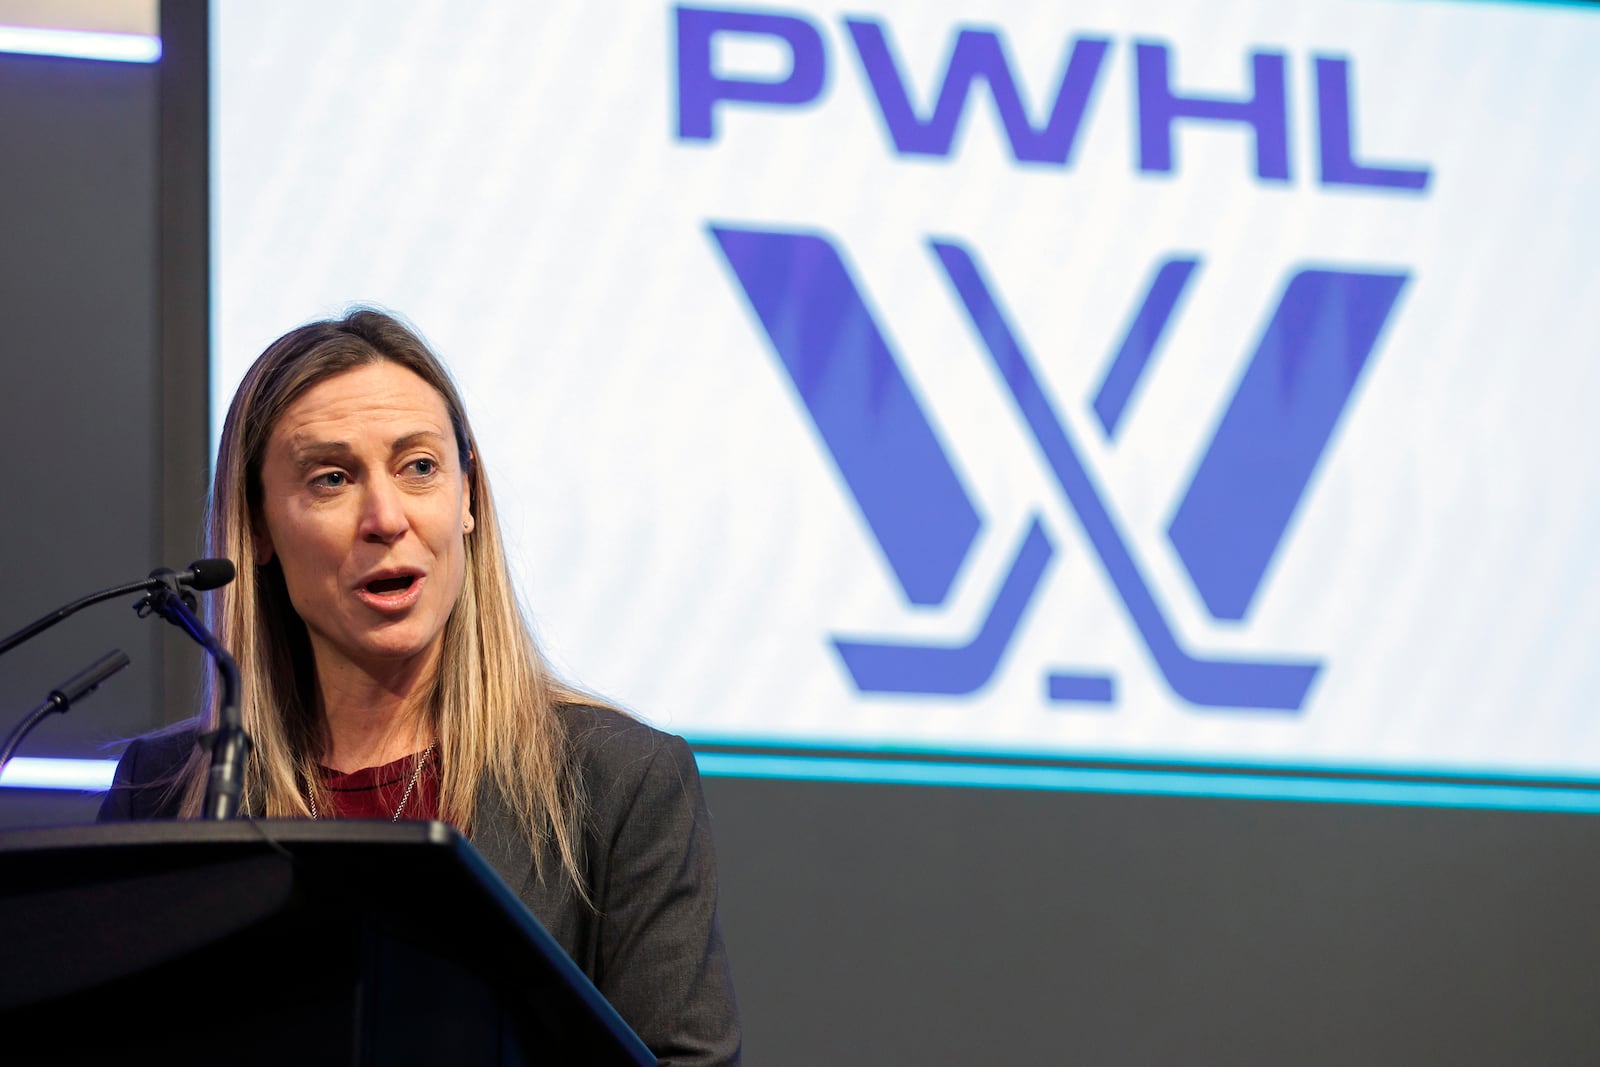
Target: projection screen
(1150,396)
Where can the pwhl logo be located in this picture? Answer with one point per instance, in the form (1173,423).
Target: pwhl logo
(1231,518)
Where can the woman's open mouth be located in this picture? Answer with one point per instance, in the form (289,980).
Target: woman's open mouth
(390,586)
(392,593)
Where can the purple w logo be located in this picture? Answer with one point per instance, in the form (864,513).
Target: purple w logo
(1226,528)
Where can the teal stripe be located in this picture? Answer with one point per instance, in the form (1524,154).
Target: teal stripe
(1588,4)
(1144,760)
(1161,783)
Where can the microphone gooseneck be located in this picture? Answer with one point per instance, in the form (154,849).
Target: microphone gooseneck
(229,744)
(202,574)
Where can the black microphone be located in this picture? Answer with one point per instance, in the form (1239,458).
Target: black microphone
(202,574)
(88,680)
(64,696)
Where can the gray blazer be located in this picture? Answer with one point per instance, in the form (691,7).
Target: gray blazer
(651,942)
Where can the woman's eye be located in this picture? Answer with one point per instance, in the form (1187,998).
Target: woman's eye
(330,480)
(424,466)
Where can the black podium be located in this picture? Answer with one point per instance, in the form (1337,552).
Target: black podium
(256,942)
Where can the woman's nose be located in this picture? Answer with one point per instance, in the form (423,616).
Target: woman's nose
(383,513)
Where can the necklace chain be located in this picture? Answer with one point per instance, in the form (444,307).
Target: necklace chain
(405,798)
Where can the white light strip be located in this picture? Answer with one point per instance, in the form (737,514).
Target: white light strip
(32,773)
(77,44)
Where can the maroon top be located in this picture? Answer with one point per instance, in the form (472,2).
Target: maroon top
(374,792)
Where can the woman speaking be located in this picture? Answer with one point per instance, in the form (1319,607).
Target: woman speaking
(387,672)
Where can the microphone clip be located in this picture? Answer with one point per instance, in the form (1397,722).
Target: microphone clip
(159,599)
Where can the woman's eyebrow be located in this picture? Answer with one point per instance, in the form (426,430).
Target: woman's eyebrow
(311,453)
(314,452)
(419,437)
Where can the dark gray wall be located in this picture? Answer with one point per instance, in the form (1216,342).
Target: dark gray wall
(868,924)
(80,403)
(103,352)
(890,924)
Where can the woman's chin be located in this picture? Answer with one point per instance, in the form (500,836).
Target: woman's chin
(385,653)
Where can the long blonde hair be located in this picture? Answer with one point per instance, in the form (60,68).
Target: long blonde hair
(493,706)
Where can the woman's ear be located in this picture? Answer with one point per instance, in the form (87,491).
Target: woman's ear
(263,542)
